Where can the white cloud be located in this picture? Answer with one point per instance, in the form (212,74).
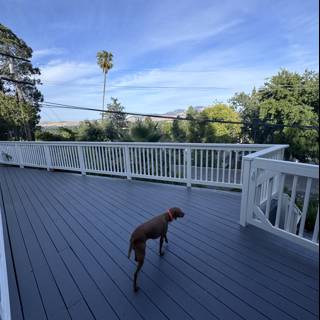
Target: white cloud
(47,52)
(59,72)
(174,38)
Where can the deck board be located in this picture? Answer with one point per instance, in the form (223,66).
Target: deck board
(69,235)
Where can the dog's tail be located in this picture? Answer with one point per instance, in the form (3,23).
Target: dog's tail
(130,249)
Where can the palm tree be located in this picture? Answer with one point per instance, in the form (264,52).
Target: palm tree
(104,60)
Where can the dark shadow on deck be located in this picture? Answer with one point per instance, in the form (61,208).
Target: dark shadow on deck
(68,238)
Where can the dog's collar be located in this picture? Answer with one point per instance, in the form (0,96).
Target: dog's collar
(170,215)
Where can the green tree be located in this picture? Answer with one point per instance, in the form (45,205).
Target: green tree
(145,131)
(90,131)
(60,134)
(178,132)
(111,132)
(26,108)
(196,125)
(104,60)
(221,132)
(116,115)
(165,129)
(287,99)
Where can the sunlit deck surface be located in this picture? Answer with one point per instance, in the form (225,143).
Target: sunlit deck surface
(68,237)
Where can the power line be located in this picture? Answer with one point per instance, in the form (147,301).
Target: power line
(143,87)
(258,121)
(17,81)
(14,57)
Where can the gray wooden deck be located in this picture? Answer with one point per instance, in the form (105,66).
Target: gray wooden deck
(68,238)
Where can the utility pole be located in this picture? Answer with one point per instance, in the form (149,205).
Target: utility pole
(104,92)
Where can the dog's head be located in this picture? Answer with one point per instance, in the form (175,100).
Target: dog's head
(176,213)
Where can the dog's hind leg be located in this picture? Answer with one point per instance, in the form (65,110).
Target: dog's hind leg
(139,266)
(140,252)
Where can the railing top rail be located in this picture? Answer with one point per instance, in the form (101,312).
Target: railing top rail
(266,151)
(293,168)
(221,145)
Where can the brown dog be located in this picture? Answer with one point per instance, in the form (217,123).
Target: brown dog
(152,229)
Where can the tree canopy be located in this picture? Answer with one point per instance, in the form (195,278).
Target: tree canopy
(221,132)
(287,99)
(22,98)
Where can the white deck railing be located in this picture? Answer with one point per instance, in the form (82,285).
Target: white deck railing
(207,164)
(276,197)
(5,312)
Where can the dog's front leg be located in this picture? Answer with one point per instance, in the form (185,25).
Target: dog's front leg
(165,238)
(161,253)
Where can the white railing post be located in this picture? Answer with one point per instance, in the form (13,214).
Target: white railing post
(127,161)
(245,191)
(81,160)
(5,311)
(189,166)
(48,158)
(19,153)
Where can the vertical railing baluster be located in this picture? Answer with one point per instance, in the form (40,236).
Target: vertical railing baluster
(81,160)
(170,164)
(174,163)
(201,163)
(246,210)
(19,153)
(98,148)
(140,160)
(218,165)
(47,155)
(136,161)
(152,165)
(305,207)
(315,235)
(223,165)
(157,167)
(189,166)
(109,158)
(120,159)
(143,163)
(179,161)
(235,168)
(113,159)
(165,163)
(127,161)
(241,169)
(269,193)
(230,164)
(291,204)
(206,165)
(195,164)
(161,151)
(212,164)
(280,196)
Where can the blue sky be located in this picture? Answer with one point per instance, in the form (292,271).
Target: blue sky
(229,45)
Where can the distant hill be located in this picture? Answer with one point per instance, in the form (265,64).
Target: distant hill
(53,124)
